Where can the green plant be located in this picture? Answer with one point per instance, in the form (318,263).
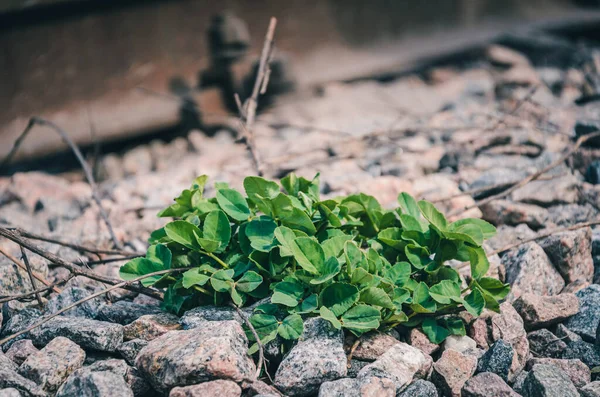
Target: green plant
(346,259)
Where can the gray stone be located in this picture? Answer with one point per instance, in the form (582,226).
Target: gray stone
(487,384)
(358,387)
(53,364)
(543,343)
(85,383)
(70,295)
(517,384)
(220,387)
(562,190)
(577,371)
(317,357)
(218,349)
(132,376)
(199,315)
(586,321)
(6,362)
(498,359)
(11,379)
(355,367)
(505,212)
(590,390)
(548,381)
(420,388)
(570,214)
(588,353)
(151,326)
(18,322)
(566,335)
(402,363)
(20,350)
(571,254)
(371,346)
(452,370)
(528,270)
(542,311)
(10,392)
(496,177)
(129,350)
(125,312)
(89,334)
(508,326)
(507,235)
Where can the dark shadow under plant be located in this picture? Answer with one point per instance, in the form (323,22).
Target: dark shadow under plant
(346,259)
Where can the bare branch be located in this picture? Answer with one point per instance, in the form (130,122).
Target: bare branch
(30,273)
(261,354)
(23,267)
(34,292)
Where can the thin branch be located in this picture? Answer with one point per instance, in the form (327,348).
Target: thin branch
(76,270)
(37,291)
(23,267)
(30,273)
(529,178)
(84,165)
(76,247)
(248,113)
(261,354)
(122,284)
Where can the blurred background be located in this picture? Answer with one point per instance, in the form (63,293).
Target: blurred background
(115,71)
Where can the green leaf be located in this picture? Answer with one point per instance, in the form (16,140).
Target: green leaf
(172,302)
(487,229)
(298,219)
(474,303)
(335,245)
(329,270)
(436,333)
(399,273)
(291,327)
(264,324)
(355,258)
(174,210)
(194,277)
(287,293)
(422,301)
(409,205)
(234,204)
(479,262)
(410,223)
(309,254)
(361,319)
(444,291)
(435,217)
(401,296)
(286,237)
(140,266)
(417,256)
(468,233)
(184,233)
(249,282)
(309,304)
(329,316)
(216,228)
(236,297)
(259,191)
(361,277)
(160,254)
(392,236)
(158,236)
(339,297)
(332,218)
(494,287)
(376,297)
(454,325)
(222,280)
(260,233)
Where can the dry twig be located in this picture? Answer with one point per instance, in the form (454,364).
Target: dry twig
(123,284)
(529,178)
(30,273)
(261,355)
(34,292)
(84,165)
(23,267)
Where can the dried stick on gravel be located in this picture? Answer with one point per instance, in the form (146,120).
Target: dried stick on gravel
(23,267)
(84,165)
(529,178)
(248,110)
(30,273)
(76,247)
(122,284)
(34,292)
(74,269)
(261,354)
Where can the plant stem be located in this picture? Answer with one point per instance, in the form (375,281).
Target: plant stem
(216,258)
(200,289)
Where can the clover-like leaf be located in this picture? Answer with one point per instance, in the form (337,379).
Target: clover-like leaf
(433,215)
(418,256)
(361,319)
(421,300)
(392,237)
(474,302)
(445,292)
(184,233)
(435,332)
(339,297)
(309,254)
(297,219)
(479,262)
(376,297)
(287,293)
(222,280)
(329,316)
(260,233)
(487,229)
(234,204)
(329,270)
(249,282)
(291,327)
(335,245)
(216,228)
(194,277)
(264,324)
(139,267)
(494,287)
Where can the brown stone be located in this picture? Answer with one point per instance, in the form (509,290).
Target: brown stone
(571,254)
(371,346)
(220,388)
(508,326)
(151,326)
(452,370)
(542,311)
(418,339)
(577,371)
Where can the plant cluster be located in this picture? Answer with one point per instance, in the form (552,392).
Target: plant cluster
(291,255)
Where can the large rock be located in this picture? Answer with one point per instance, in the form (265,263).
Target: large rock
(402,363)
(87,383)
(89,334)
(219,387)
(358,387)
(20,350)
(70,295)
(487,384)
(371,346)
(551,192)
(317,357)
(125,312)
(452,370)
(11,379)
(506,212)
(6,362)
(508,326)
(129,350)
(508,235)
(586,321)
(577,371)
(591,390)
(528,270)
(498,360)
(588,353)
(131,376)
(199,315)
(17,322)
(548,381)
(420,388)
(544,343)
(216,350)
(462,344)
(10,392)
(571,253)
(151,326)
(53,364)
(542,311)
